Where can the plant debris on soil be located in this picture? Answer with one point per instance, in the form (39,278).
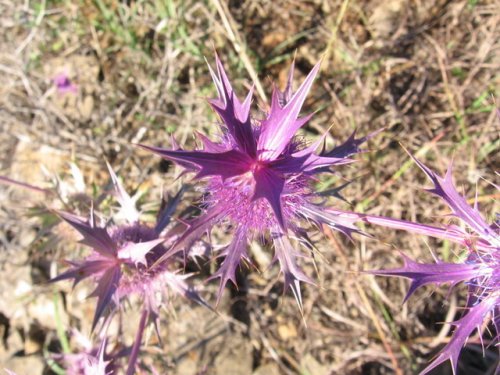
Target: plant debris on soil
(426,72)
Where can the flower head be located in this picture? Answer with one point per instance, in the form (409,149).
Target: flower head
(124,258)
(480,271)
(63,84)
(259,176)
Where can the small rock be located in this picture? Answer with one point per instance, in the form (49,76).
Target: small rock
(86,107)
(287,331)
(384,18)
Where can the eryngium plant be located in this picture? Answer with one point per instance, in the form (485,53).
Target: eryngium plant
(480,271)
(128,259)
(259,177)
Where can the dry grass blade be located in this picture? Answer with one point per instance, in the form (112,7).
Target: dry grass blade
(366,302)
(239,45)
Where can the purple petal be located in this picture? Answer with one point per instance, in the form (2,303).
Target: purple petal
(234,114)
(314,161)
(225,164)
(95,237)
(210,146)
(422,274)
(106,287)
(305,160)
(286,256)
(288,164)
(307,163)
(235,252)
(269,185)
(242,110)
(350,146)
(83,270)
(167,210)
(473,319)
(444,188)
(282,123)
(241,132)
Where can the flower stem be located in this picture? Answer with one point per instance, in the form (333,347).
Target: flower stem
(137,343)
(428,230)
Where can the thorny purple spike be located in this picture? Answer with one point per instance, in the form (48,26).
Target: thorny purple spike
(259,176)
(282,122)
(422,274)
(94,237)
(286,256)
(464,327)
(480,272)
(235,114)
(350,146)
(234,253)
(167,210)
(444,188)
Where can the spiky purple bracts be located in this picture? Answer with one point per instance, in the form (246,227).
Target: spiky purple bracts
(89,360)
(480,270)
(128,259)
(259,177)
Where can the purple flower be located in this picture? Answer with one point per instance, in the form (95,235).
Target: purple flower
(128,259)
(480,270)
(63,84)
(259,177)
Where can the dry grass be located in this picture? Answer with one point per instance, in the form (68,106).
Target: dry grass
(427,72)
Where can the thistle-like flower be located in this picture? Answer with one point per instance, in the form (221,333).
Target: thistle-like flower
(123,255)
(125,260)
(480,271)
(259,176)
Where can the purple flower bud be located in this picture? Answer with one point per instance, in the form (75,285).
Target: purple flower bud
(63,84)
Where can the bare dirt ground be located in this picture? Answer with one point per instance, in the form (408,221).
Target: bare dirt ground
(426,72)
